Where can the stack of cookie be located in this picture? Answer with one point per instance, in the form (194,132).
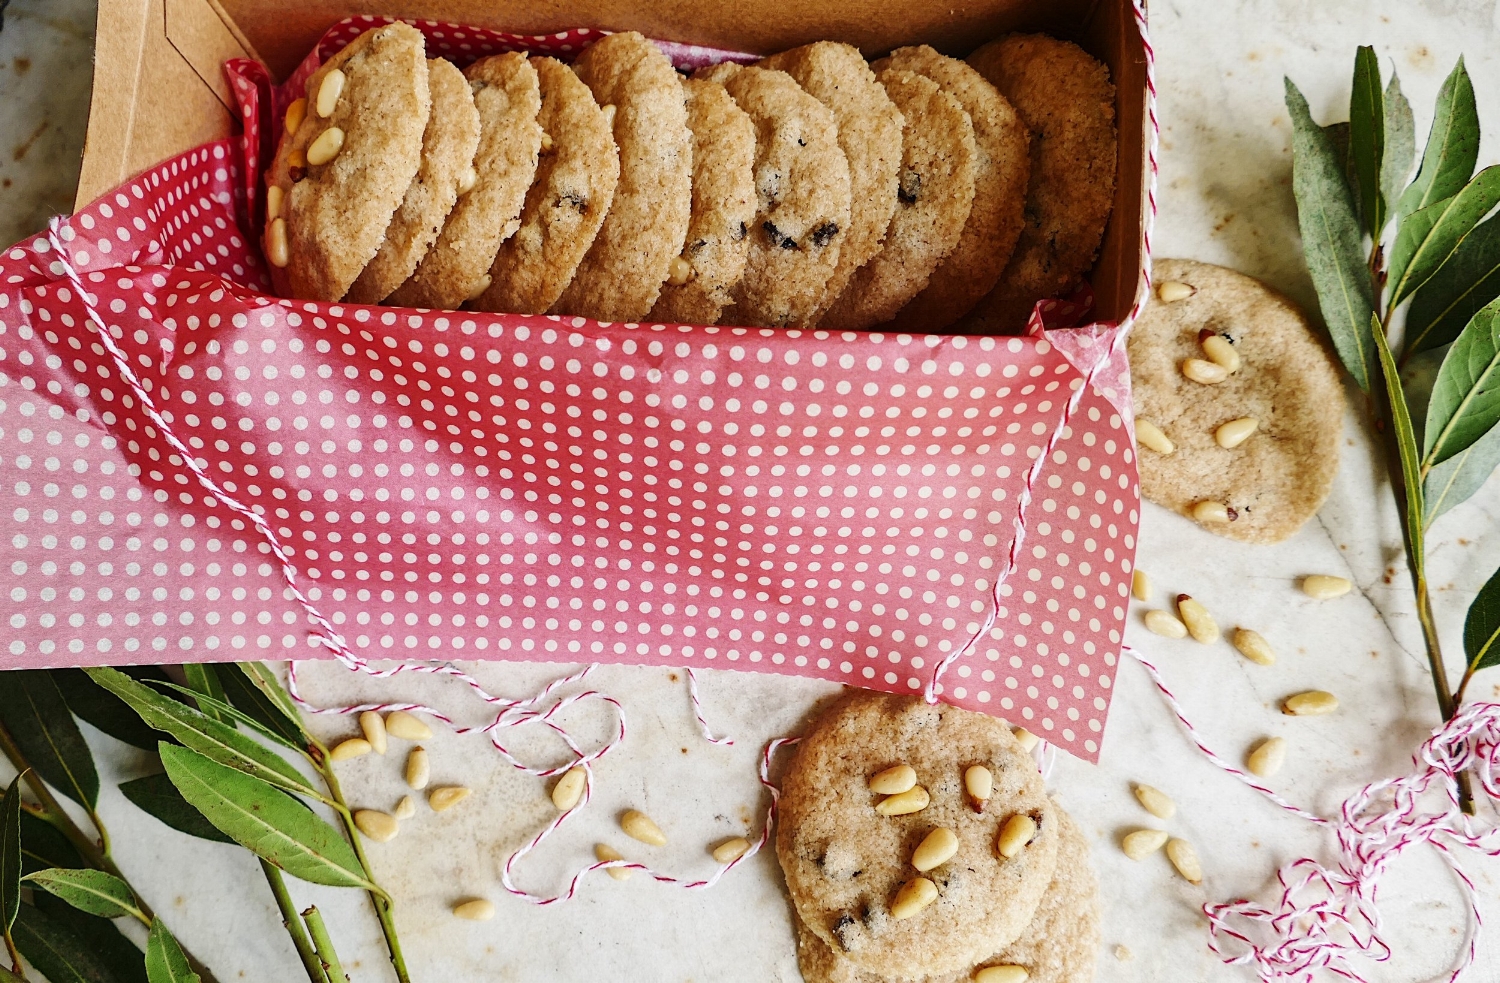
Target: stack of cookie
(809,189)
(919,845)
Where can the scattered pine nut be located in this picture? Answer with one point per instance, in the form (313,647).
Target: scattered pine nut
(378,826)
(1123,953)
(278,250)
(406,808)
(605,853)
(480,287)
(1234,433)
(547,143)
(1001,974)
(467,180)
(354,747)
(894,780)
(401,724)
(1142,842)
(1185,859)
(1028,740)
(418,771)
(329,91)
(609,114)
(1212,513)
(1313,703)
(936,848)
(1205,372)
(1015,834)
(1155,801)
(979,782)
(731,850)
(1253,646)
(914,895)
(679,271)
(569,789)
(373,726)
(638,826)
(295,114)
(445,798)
(1267,757)
(914,799)
(326,147)
(1140,585)
(1323,587)
(1149,435)
(1162,623)
(1171,291)
(477,910)
(1218,348)
(275,197)
(1200,624)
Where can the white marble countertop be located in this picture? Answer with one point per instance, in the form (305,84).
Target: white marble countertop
(1226,174)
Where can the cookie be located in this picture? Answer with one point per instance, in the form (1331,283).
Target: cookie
(339,176)
(717,245)
(574,184)
(508,96)
(934,195)
(620,277)
(1059,946)
(1280,475)
(869,133)
(448,146)
(1066,100)
(844,862)
(802,199)
(1000,174)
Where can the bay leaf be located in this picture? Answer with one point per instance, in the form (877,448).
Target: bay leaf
(93,891)
(1452,145)
(252,688)
(59,951)
(1482,627)
(1456,292)
(10,854)
(233,716)
(121,956)
(165,960)
(43,845)
(203,679)
(95,705)
(1426,239)
(1367,138)
(1463,474)
(1400,144)
(1465,400)
(1406,442)
(43,728)
(156,795)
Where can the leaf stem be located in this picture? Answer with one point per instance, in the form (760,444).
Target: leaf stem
(324,944)
(18,971)
(292,923)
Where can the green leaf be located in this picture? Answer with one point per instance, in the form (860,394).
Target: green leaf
(223,712)
(96,705)
(93,891)
(10,854)
(156,795)
(1457,291)
(1426,239)
(252,693)
(1406,441)
(1400,143)
(1466,396)
(165,960)
(111,947)
(202,679)
(1367,138)
(265,821)
(1452,145)
(61,952)
(202,733)
(1482,627)
(43,846)
(1331,240)
(1459,477)
(34,712)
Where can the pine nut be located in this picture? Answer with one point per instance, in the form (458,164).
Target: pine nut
(1149,435)
(679,272)
(406,808)
(329,91)
(1185,859)
(894,780)
(605,853)
(1142,842)
(546,143)
(1212,513)
(467,180)
(1162,623)
(1171,291)
(979,782)
(418,770)
(354,747)
(569,789)
(326,147)
(1220,350)
(914,895)
(445,798)
(1155,801)
(378,826)
(1234,433)
(373,726)
(1123,953)
(1204,372)
(1267,757)
(638,826)
(731,850)
(296,162)
(1313,703)
(609,114)
(1140,585)
(1323,587)
(480,286)
(401,724)
(1200,624)
(275,198)
(277,250)
(1253,646)
(1015,834)
(295,114)
(1028,740)
(1002,974)
(937,847)
(914,799)
(478,910)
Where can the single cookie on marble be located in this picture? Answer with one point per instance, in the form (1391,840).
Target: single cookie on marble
(1059,946)
(1001,171)
(1066,99)
(448,146)
(620,277)
(802,198)
(845,862)
(1287,381)
(700,281)
(571,194)
(341,172)
(870,129)
(508,96)
(934,193)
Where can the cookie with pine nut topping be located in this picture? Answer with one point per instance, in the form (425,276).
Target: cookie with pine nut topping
(933,198)
(448,146)
(508,96)
(620,277)
(1277,477)
(869,131)
(845,862)
(802,198)
(1059,946)
(341,173)
(575,182)
(700,281)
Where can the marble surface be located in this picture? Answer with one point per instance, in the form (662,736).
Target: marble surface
(1226,198)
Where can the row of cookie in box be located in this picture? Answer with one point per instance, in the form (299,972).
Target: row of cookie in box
(810,189)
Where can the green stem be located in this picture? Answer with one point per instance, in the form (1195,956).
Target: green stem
(18,971)
(293,924)
(324,945)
